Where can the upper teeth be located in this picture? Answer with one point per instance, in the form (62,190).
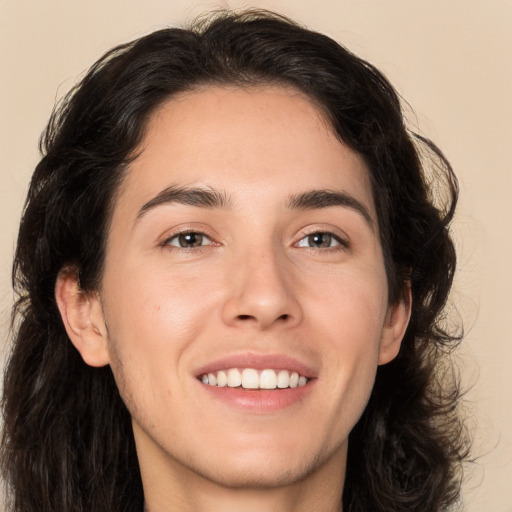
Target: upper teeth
(250,378)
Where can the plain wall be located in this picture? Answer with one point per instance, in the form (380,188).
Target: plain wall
(451,60)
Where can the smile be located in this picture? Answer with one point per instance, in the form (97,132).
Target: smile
(250,378)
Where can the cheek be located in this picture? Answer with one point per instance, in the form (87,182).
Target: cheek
(351,306)
(153,320)
(158,305)
(352,320)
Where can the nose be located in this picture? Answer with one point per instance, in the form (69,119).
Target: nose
(261,292)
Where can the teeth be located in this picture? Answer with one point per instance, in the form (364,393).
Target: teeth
(268,379)
(234,378)
(250,378)
(222,380)
(283,379)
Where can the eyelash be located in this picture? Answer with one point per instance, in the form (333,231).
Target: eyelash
(167,242)
(340,243)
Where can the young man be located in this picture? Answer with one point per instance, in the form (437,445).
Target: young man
(231,272)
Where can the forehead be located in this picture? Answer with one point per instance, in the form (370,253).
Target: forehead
(252,142)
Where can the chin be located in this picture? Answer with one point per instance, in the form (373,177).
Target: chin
(257,475)
(264,468)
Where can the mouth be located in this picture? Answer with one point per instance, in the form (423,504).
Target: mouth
(253,379)
(256,383)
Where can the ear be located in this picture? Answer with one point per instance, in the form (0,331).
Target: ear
(397,320)
(82,316)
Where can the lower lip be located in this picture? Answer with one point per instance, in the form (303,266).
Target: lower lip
(259,400)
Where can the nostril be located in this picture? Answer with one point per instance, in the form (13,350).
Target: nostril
(250,317)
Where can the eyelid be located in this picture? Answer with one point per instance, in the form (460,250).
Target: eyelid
(176,237)
(339,235)
(174,233)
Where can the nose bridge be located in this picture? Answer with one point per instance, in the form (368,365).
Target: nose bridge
(261,289)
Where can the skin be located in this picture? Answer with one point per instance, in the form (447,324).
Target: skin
(255,285)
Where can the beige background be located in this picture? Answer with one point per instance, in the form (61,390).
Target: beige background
(450,59)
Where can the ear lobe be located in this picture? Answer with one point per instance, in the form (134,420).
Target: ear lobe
(83,320)
(397,320)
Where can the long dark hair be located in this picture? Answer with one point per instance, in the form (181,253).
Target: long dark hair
(67,441)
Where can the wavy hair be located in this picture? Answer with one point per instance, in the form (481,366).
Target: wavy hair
(67,442)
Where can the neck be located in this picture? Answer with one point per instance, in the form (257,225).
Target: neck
(246,500)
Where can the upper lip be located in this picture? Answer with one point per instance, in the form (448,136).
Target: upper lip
(258,362)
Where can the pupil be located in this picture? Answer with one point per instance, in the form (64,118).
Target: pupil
(320,240)
(190,239)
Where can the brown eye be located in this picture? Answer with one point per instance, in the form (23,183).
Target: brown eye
(319,241)
(188,240)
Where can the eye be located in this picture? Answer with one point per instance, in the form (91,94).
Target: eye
(320,240)
(188,240)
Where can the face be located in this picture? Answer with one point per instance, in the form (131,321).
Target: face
(244,246)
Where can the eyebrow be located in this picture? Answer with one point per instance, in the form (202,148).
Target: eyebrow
(316,199)
(210,198)
(191,196)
